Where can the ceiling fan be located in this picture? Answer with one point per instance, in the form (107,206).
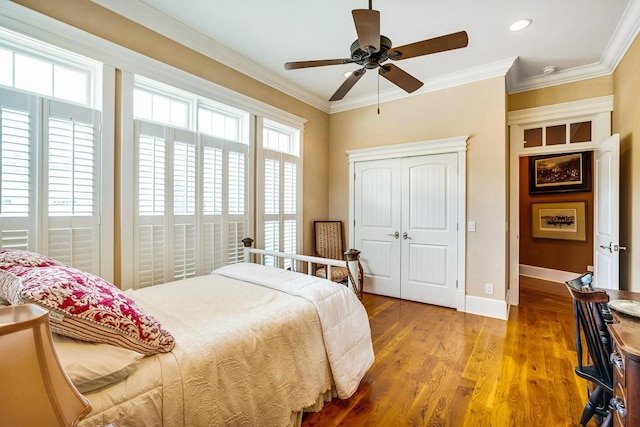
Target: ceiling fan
(372,49)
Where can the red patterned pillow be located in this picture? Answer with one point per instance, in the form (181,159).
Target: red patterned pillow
(89,308)
(11,257)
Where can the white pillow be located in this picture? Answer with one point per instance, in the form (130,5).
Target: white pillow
(94,365)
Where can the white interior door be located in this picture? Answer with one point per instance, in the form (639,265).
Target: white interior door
(429,229)
(606,219)
(377,224)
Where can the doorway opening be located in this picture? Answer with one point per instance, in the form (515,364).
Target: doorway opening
(554,131)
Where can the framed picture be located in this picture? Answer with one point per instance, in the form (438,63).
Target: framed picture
(559,173)
(565,220)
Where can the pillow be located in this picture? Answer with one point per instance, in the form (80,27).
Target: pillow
(10,287)
(16,262)
(10,257)
(89,308)
(91,366)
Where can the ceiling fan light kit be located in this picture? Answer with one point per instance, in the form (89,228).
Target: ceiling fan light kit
(372,49)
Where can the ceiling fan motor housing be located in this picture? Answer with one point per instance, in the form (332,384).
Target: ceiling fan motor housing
(371,60)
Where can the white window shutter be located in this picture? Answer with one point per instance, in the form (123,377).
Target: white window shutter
(150,240)
(280,202)
(17,154)
(71,160)
(68,215)
(184,205)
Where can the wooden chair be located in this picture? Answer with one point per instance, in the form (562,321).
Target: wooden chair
(591,317)
(329,244)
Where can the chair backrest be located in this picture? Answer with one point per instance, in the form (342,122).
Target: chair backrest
(591,317)
(583,282)
(328,236)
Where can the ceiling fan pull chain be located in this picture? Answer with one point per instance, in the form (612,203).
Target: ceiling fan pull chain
(378,93)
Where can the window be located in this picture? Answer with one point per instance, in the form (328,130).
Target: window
(49,153)
(35,67)
(191,184)
(569,132)
(279,167)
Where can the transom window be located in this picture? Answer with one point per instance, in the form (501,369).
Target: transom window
(34,67)
(558,134)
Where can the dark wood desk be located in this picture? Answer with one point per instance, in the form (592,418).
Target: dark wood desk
(625,333)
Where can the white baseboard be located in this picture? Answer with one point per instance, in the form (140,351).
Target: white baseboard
(487,307)
(547,273)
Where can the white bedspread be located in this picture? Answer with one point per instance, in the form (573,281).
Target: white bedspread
(245,355)
(345,324)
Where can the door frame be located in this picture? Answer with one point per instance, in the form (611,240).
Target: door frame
(597,110)
(457,145)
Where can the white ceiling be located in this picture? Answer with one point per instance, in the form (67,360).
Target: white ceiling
(581,38)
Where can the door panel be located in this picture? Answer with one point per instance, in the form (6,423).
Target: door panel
(406,227)
(429,219)
(607,199)
(377,220)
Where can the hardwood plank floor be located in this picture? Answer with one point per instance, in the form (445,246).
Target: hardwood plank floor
(437,367)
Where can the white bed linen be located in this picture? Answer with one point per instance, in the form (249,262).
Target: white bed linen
(244,355)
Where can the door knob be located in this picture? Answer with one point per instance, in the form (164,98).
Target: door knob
(405,236)
(395,235)
(610,247)
(614,248)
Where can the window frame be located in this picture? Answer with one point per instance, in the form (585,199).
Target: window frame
(100,89)
(261,155)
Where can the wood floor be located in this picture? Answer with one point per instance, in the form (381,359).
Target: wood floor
(437,367)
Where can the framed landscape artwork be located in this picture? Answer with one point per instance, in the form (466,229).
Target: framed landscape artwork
(566,221)
(560,173)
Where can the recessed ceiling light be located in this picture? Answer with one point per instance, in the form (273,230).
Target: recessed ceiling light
(520,25)
(347,74)
(548,70)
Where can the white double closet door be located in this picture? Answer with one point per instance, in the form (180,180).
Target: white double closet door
(406,226)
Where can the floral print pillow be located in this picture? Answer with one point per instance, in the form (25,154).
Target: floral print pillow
(86,307)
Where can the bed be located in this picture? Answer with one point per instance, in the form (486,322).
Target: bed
(253,345)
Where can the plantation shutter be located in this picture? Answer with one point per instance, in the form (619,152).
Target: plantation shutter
(191,203)
(72,158)
(224,169)
(280,214)
(17,162)
(184,204)
(236,220)
(150,242)
(68,153)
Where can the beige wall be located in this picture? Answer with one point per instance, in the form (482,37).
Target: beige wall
(99,21)
(477,110)
(626,122)
(584,89)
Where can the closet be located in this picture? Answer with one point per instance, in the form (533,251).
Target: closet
(408,201)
